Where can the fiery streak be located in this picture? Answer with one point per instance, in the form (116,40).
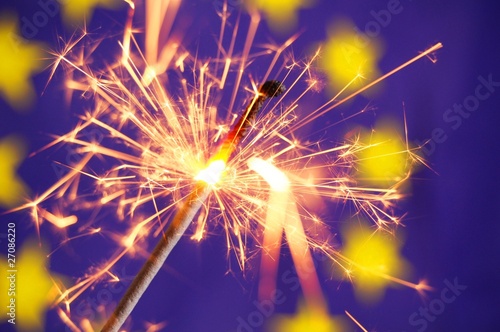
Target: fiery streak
(283,216)
(355,321)
(158,143)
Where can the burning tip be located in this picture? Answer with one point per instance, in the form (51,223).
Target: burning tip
(212,174)
(272,88)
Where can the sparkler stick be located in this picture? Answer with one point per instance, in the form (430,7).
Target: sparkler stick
(186,214)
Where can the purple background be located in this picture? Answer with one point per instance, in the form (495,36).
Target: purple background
(452,223)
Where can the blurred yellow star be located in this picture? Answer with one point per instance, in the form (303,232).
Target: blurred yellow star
(349,57)
(384,159)
(307,318)
(30,289)
(375,259)
(19,60)
(281,14)
(12,188)
(79,11)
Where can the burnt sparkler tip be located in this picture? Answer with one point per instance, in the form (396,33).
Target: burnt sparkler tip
(272,88)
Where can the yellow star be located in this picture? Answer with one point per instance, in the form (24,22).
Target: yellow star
(384,159)
(307,318)
(374,260)
(349,57)
(78,11)
(30,289)
(281,14)
(12,188)
(19,60)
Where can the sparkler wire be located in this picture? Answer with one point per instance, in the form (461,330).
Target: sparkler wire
(188,211)
(170,238)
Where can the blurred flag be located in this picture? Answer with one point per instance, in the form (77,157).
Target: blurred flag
(349,57)
(308,318)
(375,260)
(12,188)
(80,11)
(19,61)
(281,15)
(383,159)
(32,287)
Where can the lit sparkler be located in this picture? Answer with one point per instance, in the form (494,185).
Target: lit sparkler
(183,218)
(163,142)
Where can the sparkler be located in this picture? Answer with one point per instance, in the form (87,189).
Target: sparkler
(186,214)
(161,142)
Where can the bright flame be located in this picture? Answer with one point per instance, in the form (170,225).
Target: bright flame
(273,176)
(212,174)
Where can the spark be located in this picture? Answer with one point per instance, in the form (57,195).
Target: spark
(355,321)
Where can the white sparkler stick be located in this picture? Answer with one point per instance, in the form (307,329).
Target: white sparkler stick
(154,263)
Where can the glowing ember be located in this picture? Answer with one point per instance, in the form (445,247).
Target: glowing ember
(212,174)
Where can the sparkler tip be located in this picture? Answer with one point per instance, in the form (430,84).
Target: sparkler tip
(272,88)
